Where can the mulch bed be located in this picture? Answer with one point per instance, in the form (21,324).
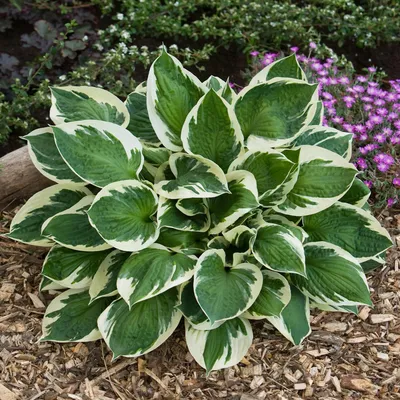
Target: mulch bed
(345,357)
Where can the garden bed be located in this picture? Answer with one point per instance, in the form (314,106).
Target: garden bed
(345,357)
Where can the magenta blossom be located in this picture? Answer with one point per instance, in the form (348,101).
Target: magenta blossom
(368,184)
(254,53)
(313,45)
(390,202)
(396,182)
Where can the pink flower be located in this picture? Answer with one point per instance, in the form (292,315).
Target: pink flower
(380,138)
(367,107)
(368,184)
(382,111)
(395,140)
(373,84)
(383,167)
(396,182)
(376,119)
(349,99)
(294,49)
(359,128)
(254,53)
(372,69)
(371,147)
(362,79)
(359,89)
(337,120)
(362,163)
(367,99)
(390,202)
(363,136)
(392,116)
(387,131)
(391,97)
(344,80)
(313,45)
(379,102)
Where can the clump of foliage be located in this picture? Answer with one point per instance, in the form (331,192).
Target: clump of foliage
(189,200)
(365,106)
(255,24)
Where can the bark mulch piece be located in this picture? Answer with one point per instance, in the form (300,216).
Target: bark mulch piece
(345,357)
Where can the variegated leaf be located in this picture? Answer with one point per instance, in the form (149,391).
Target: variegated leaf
(71,228)
(287,67)
(279,249)
(104,282)
(195,177)
(27,223)
(99,152)
(273,298)
(72,269)
(328,138)
(47,159)
(70,317)
(222,347)
(122,213)
(349,227)
(294,321)
(357,195)
(78,103)
(272,114)
(334,276)
(169,216)
(212,130)
(172,92)
(228,208)
(141,329)
(152,271)
(311,192)
(225,292)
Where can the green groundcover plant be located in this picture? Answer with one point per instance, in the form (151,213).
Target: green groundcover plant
(191,201)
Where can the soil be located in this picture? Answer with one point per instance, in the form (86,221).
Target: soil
(346,356)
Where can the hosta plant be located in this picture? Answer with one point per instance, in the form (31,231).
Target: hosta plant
(189,201)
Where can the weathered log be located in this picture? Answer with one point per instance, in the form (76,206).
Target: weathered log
(19,179)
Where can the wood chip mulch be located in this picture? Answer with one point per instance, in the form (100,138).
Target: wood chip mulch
(345,357)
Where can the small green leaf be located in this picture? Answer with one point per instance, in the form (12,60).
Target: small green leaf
(225,292)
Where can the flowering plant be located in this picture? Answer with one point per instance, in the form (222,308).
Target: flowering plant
(190,200)
(363,106)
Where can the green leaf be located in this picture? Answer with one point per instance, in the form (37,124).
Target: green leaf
(275,173)
(141,329)
(70,317)
(71,228)
(228,208)
(46,158)
(349,227)
(222,347)
(272,114)
(319,113)
(78,103)
(297,231)
(27,223)
(334,276)
(273,298)
(48,284)
(374,262)
(70,268)
(225,292)
(294,321)
(192,207)
(227,93)
(152,271)
(122,214)
(139,123)
(212,130)
(279,249)
(215,83)
(328,138)
(104,282)
(99,152)
(183,241)
(195,177)
(311,193)
(172,92)
(191,309)
(287,67)
(155,155)
(169,216)
(357,195)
